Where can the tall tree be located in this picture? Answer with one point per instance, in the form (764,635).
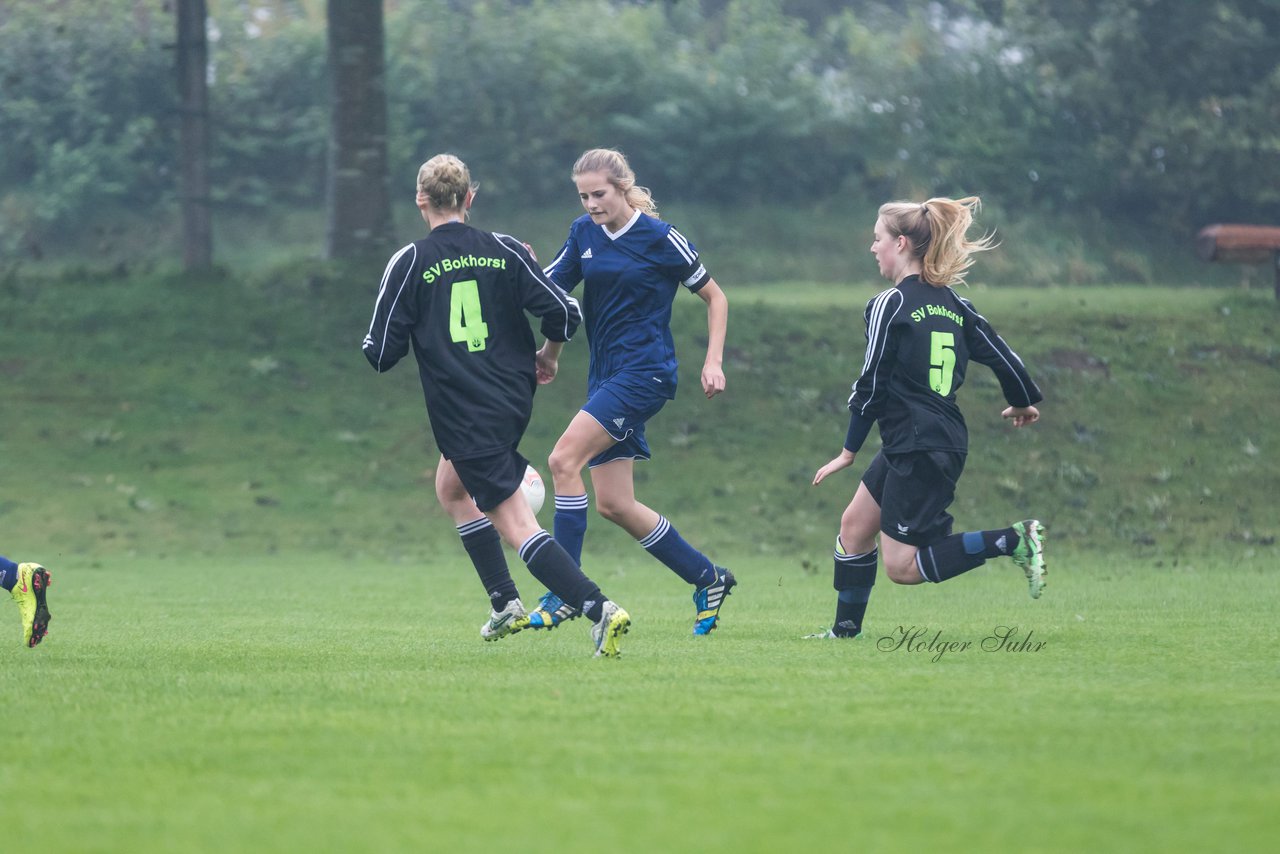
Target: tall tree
(358,198)
(193,88)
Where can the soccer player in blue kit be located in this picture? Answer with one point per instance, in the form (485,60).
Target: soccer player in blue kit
(921,336)
(632,265)
(27,584)
(458,298)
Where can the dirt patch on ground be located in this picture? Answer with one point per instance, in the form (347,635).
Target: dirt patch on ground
(1076,361)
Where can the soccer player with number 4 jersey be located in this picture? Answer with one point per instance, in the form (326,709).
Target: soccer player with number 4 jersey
(632,265)
(458,297)
(921,336)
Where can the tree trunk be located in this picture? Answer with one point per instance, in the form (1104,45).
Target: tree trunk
(193,89)
(358,202)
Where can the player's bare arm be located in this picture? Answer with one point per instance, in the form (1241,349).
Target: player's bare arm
(843,461)
(548,361)
(713,380)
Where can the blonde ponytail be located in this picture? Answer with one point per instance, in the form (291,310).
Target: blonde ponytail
(937,231)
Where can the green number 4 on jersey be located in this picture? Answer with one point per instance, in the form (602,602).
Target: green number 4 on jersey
(465,320)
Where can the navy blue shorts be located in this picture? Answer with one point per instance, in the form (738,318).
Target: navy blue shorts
(914,491)
(622,405)
(493,479)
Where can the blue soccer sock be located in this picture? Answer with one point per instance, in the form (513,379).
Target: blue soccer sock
(484,547)
(570,524)
(8,573)
(665,543)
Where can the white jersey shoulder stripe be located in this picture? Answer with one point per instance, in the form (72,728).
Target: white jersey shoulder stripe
(550,268)
(382,292)
(682,246)
(676,235)
(877,333)
(570,304)
(1003,349)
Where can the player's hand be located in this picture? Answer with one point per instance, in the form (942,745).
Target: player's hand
(532,254)
(843,461)
(546,365)
(712,381)
(1022,415)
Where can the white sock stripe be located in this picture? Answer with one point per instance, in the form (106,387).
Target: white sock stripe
(572,502)
(659,531)
(864,559)
(920,566)
(471,527)
(533,545)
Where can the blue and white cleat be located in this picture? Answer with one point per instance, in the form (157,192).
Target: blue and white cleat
(709,599)
(551,612)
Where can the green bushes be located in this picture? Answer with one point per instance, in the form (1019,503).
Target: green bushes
(1101,109)
(85,106)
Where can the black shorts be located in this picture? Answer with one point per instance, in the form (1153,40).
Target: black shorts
(493,479)
(914,491)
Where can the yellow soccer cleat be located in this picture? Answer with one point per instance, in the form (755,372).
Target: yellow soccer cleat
(607,634)
(29,593)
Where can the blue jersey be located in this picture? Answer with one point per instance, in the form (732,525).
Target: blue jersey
(630,281)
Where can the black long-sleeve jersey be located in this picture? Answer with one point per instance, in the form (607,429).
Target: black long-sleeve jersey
(460,295)
(920,340)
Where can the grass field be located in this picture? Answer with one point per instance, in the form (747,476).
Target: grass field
(313,704)
(265,636)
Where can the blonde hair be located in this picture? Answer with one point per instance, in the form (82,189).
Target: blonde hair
(936,230)
(445,181)
(613,164)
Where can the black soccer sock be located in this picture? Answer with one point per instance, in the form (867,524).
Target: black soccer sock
(851,607)
(992,543)
(949,557)
(854,577)
(554,567)
(484,547)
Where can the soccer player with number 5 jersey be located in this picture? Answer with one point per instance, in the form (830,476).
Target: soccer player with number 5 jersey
(921,336)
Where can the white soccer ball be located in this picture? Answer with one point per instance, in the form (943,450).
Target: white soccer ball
(533,489)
